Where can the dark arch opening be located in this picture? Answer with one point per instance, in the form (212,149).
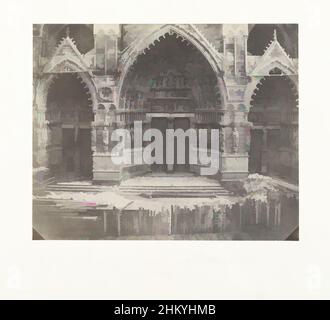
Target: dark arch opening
(174,69)
(274,136)
(69,115)
(260,36)
(275,91)
(172,77)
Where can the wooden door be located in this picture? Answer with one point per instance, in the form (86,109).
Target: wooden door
(255,153)
(181,123)
(161,124)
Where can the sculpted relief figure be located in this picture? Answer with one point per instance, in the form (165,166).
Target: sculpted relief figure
(105,136)
(93,134)
(222,139)
(235,137)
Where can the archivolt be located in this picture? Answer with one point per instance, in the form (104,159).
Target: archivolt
(47,80)
(253,87)
(141,46)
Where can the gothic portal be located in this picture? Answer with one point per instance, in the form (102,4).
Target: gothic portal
(90,80)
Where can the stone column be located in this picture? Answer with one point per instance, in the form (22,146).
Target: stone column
(245,37)
(264,157)
(41,135)
(234,164)
(93,137)
(235,57)
(247,131)
(40,87)
(222,139)
(105,135)
(170,167)
(240,216)
(223,124)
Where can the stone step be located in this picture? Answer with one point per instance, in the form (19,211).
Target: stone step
(175,191)
(75,188)
(148,190)
(137,187)
(57,185)
(183,194)
(179,194)
(171,188)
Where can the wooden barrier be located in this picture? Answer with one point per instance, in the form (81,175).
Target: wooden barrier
(200,219)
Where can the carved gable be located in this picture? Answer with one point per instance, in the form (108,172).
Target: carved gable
(274,56)
(66,58)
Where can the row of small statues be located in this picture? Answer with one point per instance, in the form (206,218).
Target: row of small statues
(169,81)
(235,138)
(127,103)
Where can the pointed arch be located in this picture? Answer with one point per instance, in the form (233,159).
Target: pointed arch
(253,85)
(278,79)
(46,81)
(189,34)
(40,106)
(274,120)
(66,59)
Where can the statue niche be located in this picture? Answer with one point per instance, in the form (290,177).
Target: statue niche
(171,92)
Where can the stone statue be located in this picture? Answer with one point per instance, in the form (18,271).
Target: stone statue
(107,119)
(164,81)
(105,136)
(123,101)
(178,82)
(132,103)
(93,139)
(235,136)
(222,139)
(295,138)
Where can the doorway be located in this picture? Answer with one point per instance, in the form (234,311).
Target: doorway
(184,124)
(85,152)
(177,123)
(76,152)
(255,151)
(161,124)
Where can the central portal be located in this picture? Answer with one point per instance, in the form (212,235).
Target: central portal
(162,124)
(171,86)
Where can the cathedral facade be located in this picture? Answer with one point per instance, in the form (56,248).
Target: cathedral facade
(89,80)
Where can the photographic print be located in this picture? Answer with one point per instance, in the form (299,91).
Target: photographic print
(165,132)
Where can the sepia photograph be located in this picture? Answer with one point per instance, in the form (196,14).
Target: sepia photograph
(165,132)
